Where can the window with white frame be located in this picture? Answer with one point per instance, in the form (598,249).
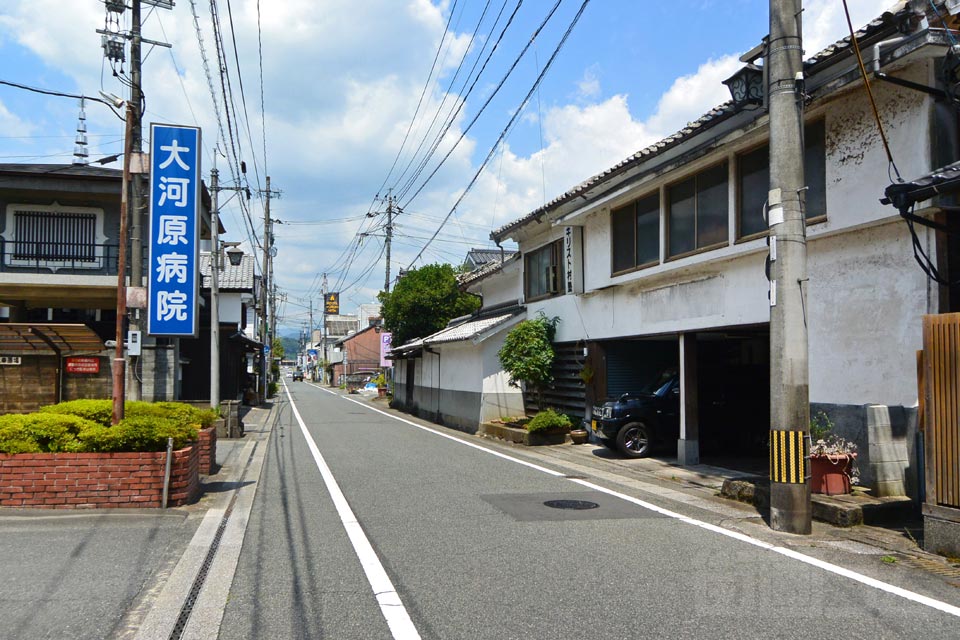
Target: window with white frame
(53,235)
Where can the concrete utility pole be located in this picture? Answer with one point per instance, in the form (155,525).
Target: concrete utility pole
(323,374)
(136,205)
(214,290)
(386,281)
(789,368)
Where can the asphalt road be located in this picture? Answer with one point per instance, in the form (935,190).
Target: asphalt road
(472,551)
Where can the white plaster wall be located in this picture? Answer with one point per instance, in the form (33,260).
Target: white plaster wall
(499,398)
(501,287)
(866,299)
(866,292)
(461,366)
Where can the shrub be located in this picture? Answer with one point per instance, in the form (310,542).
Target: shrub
(41,433)
(548,420)
(84,426)
(271,389)
(99,411)
(137,433)
(527,354)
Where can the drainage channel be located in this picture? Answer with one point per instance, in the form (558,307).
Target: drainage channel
(194,593)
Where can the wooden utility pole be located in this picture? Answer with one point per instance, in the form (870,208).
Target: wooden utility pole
(265,282)
(789,368)
(119,362)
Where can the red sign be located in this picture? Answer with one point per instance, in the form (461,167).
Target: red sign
(83,365)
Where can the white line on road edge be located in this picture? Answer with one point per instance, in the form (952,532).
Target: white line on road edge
(392,608)
(790,553)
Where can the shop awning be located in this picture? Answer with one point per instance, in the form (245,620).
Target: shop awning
(61,339)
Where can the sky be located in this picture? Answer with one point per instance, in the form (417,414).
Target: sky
(355,93)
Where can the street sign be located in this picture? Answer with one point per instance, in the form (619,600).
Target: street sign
(174,230)
(331,303)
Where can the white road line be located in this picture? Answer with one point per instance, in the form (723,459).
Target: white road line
(790,553)
(391,607)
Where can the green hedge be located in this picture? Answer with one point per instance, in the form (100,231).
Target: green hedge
(80,426)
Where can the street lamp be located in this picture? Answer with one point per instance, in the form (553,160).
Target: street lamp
(234,253)
(746,86)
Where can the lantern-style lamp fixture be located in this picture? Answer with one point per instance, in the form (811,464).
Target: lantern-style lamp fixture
(234,253)
(746,86)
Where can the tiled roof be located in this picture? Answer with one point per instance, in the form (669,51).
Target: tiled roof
(478,274)
(468,330)
(710,119)
(480,257)
(239,278)
(86,171)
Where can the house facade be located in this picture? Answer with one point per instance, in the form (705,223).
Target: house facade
(659,262)
(59,240)
(454,377)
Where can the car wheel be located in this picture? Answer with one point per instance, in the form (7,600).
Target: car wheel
(633,440)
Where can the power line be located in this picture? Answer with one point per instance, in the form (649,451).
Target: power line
(426,85)
(489,99)
(506,129)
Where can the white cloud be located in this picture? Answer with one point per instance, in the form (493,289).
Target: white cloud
(12,126)
(339,101)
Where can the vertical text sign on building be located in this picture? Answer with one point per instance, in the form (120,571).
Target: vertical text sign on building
(174,230)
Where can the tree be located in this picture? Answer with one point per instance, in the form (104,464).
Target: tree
(423,301)
(527,354)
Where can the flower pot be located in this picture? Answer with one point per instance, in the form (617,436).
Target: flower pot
(830,474)
(381,392)
(579,436)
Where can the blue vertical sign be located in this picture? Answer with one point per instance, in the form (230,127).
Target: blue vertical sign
(174,230)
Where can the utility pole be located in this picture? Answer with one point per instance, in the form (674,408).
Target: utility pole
(789,368)
(324,336)
(135,203)
(119,362)
(386,280)
(310,338)
(214,291)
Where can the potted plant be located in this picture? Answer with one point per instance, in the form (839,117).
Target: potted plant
(833,459)
(381,382)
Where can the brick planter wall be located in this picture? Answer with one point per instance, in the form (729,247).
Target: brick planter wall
(208,450)
(97,480)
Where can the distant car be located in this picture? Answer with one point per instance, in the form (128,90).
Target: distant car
(298,375)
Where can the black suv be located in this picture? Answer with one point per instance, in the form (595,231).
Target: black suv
(298,375)
(637,422)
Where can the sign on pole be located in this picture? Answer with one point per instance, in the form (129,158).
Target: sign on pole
(331,304)
(174,230)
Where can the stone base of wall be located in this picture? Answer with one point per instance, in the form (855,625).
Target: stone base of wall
(97,480)
(207,442)
(941,530)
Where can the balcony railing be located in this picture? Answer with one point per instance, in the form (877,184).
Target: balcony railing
(47,256)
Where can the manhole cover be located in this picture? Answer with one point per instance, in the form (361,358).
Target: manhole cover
(580,505)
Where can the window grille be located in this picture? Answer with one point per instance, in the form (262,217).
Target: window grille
(41,235)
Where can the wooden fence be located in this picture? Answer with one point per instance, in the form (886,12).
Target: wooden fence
(939,410)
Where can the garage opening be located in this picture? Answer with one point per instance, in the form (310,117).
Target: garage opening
(733,389)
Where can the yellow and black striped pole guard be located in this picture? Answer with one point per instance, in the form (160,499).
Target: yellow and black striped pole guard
(788,457)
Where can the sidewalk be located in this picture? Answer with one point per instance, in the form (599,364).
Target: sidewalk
(96,573)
